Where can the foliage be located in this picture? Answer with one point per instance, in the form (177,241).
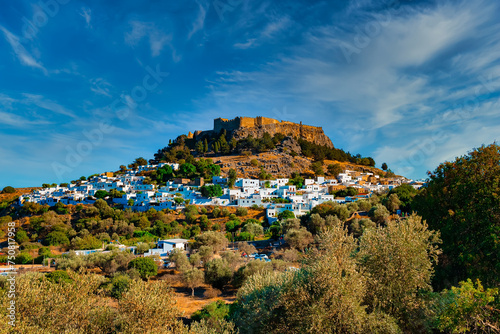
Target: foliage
(241,211)
(379,213)
(145,265)
(213,190)
(462,201)
(21,236)
(58,276)
(299,238)
(119,285)
(286,214)
(216,240)
(399,259)
(56,238)
(405,193)
(334,169)
(193,278)
(8,190)
(326,296)
(214,311)
(86,242)
(218,273)
(180,259)
(469,308)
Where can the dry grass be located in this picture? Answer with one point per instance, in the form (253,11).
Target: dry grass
(186,303)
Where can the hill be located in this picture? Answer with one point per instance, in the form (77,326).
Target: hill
(252,145)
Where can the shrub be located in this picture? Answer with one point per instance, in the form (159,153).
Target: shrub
(145,265)
(56,238)
(241,211)
(21,236)
(8,190)
(58,276)
(119,285)
(214,310)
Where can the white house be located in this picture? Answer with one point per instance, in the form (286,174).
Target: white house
(165,247)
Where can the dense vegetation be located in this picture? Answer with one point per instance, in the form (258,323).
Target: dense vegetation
(222,144)
(357,268)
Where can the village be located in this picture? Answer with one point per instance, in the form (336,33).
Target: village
(275,196)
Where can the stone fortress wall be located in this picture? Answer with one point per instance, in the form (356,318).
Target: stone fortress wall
(242,127)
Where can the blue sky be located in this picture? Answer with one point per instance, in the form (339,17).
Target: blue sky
(86,86)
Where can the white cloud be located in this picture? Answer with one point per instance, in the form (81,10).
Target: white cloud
(22,54)
(41,102)
(199,22)
(86,13)
(157,38)
(100,86)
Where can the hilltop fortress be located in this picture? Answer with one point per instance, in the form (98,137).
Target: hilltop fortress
(242,127)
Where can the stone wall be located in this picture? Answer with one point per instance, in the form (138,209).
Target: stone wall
(242,127)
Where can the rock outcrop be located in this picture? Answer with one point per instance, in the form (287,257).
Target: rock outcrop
(242,127)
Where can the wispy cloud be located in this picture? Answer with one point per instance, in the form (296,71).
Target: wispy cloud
(270,31)
(157,38)
(100,86)
(47,104)
(86,13)
(199,22)
(22,54)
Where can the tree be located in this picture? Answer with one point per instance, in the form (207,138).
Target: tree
(461,200)
(325,296)
(199,147)
(405,193)
(299,239)
(253,229)
(286,214)
(187,170)
(218,273)
(245,247)
(140,162)
(317,168)
(399,259)
(56,238)
(8,190)
(213,190)
(469,308)
(146,266)
(231,178)
(205,146)
(21,236)
(206,253)
(392,203)
(384,166)
(216,240)
(193,278)
(241,211)
(180,259)
(379,213)
(297,180)
(334,169)
(101,194)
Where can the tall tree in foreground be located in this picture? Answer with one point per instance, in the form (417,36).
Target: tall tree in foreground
(462,200)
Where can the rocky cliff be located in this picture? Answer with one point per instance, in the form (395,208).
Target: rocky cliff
(242,127)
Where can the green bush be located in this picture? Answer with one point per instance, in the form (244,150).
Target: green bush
(214,310)
(145,265)
(8,190)
(56,238)
(119,285)
(241,211)
(58,276)
(23,258)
